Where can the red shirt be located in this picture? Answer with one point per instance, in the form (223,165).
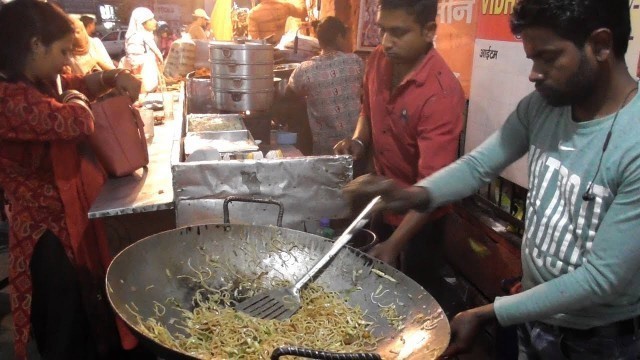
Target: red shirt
(416,128)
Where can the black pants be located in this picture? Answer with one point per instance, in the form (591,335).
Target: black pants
(58,319)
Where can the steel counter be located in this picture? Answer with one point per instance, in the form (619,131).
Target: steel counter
(148,189)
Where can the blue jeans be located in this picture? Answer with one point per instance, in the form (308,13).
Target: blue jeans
(539,341)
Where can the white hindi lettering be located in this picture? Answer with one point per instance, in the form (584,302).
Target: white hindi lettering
(455,10)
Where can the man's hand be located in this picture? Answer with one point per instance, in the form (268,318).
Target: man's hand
(386,252)
(351,147)
(464,328)
(394,197)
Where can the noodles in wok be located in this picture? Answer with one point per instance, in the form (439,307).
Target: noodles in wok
(214,330)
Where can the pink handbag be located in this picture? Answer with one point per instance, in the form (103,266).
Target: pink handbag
(118,139)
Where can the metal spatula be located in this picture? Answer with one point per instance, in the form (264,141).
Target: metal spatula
(282,303)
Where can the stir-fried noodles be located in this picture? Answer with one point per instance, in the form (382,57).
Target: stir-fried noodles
(216,331)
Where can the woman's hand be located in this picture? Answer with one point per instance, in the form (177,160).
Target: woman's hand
(120,80)
(127,84)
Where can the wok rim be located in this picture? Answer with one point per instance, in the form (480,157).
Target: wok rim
(172,351)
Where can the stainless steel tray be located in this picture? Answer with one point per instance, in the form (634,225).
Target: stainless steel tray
(200,123)
(223,141)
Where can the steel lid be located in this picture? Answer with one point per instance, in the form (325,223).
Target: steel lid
(247,45)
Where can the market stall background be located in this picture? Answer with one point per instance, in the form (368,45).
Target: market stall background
(473,37)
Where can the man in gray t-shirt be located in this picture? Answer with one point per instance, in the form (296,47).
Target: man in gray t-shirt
(581,297)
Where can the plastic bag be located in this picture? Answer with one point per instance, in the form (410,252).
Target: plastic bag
(181,58)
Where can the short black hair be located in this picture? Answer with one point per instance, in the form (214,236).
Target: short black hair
(575,20)
(20,22)
(423,11)
(328,30)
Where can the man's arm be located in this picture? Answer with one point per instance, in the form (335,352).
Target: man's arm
(299,12)
(363,130)
(363,126)
(465,176)
(456,181)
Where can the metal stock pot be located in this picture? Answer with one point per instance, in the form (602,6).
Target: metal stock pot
(246,83)
(139,275)
(235,69)
(199,94)
(240,53)
(242,75)
(243,100)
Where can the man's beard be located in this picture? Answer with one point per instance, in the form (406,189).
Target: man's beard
(577,89)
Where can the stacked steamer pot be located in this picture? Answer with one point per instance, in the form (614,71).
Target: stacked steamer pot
(241,76)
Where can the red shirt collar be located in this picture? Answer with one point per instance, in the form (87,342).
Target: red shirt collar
(418,74)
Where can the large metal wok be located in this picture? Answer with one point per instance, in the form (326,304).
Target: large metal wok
(145,272)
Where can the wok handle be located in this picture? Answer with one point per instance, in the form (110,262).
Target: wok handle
(228,199)
(321,355)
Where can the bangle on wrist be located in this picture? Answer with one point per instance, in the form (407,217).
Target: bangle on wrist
(359,142)
(70,95)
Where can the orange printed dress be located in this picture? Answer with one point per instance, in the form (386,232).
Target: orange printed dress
(51,185)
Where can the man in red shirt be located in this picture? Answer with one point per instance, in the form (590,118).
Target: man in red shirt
(412,111)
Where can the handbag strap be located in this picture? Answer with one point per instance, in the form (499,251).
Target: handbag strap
(140,125)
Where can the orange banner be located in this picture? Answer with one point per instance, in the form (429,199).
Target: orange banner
(493,20)
(456,37)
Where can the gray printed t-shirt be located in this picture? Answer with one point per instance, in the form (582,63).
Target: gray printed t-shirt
(580,258)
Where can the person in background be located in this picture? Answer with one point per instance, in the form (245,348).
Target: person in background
(239,19)
(268,19)
(411,119)
(221,25)
(580,249)
(196,29)
(88,55)
(143,57)
(166,39)
(89,24)
(332,86)
(57,256)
